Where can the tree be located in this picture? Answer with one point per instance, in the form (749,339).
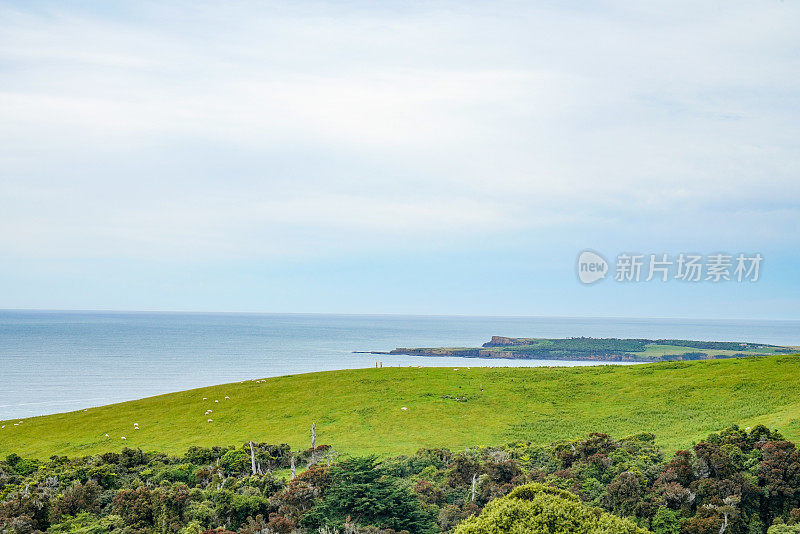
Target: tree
(779,473)
(362,494)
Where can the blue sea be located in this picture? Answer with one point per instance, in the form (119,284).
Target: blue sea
(61,361)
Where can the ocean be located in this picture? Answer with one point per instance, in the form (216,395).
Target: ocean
(57,361)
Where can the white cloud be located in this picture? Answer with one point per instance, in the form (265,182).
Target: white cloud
(252,128)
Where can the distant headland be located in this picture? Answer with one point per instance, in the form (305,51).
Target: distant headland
(599,349)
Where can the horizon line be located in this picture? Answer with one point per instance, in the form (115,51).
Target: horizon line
(367,314)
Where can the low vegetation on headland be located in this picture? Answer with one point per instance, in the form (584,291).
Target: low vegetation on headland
(734,481)
(600,349)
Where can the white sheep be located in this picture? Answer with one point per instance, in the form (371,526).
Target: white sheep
(123,437)
(210,420)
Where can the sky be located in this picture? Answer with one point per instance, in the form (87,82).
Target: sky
(396,157)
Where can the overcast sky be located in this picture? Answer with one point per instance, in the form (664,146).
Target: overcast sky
(394,157)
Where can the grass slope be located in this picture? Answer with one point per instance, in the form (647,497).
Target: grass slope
(359,411)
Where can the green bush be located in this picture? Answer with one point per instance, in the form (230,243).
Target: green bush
(235,461)
(779,527)
(540,509)
(86,523)
(667,521)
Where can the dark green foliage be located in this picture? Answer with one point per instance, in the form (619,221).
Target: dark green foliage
(744,480)
(21,466)
(77,498)
(361,493)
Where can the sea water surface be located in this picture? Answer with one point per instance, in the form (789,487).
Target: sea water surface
(56,361)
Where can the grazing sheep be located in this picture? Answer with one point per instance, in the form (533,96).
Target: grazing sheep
(215,400)
(205,398)
(227,397)
(108,436)
(210,420)
(404,408)
(123,437)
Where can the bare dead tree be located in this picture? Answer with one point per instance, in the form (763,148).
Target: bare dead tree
(222,479)
(293,471)
(314,435)
(474,484)
(730,502)
(252,457)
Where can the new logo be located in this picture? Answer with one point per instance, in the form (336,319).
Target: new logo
(591,267)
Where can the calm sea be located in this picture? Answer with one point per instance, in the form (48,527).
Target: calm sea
(60,361)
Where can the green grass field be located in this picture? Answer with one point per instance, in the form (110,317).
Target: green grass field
(360,411)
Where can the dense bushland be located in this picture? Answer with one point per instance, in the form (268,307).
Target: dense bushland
(740,481)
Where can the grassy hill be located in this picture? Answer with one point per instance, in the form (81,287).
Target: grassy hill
(360,411)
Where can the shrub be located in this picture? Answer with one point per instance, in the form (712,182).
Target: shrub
(666,521)
(540,509)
